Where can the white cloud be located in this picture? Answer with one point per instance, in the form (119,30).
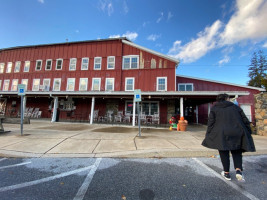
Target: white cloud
(130,35)
(198,47)
(125,7)
(106,6)
(226,59)
(170,15)
(41,1)
(153,37)
(160,18)
(264,45)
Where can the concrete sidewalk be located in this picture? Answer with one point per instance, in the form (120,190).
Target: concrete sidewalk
(46,139)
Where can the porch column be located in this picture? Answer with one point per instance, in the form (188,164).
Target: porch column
(197,114)
(181,107)
(134,104)
(54,117)
(208,109)
(92,110)
(24,105)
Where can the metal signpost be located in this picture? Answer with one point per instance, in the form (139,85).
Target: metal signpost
(21,93)
(137,98)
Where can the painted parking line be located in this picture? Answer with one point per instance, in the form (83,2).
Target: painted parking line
(242,191)
(2,159)
(43,180)
(83,189)
(16,165)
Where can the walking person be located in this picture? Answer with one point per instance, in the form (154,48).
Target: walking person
(229,131)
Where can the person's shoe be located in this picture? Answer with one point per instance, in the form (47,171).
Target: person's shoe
(239,176)
(226,176)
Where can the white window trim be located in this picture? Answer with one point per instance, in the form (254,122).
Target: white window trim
(25,84)
(40,66)
(13,84)
(100,63)
(126,83)
(87,63)
(73,64)
(131,57)
(86,84)
(16,66)
(46,64)
(7,80)
(46,89)
(3,69)
(61,63)
(27,61)
(158,83)
(7,69)
(57,79)
(185,84)
(38,85)
(93,84)
(112,84)
(68,84)
(111,62)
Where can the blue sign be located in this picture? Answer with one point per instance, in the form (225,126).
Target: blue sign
(21,89)
(137,95)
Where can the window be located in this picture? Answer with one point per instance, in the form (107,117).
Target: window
(6,85)
(14,86)
(27,66)
(111,62)
(0,84)
(46,84)
(129,84)
(70,84)
(185,87)
(25,82)
(83,84)
(97,65)
(48,65)
(36,85)
(59,64)
(109,84)
(161,83)
(96,83)
(72,64)
(147,107)
(9,67)
(2,66)
(38,66)
(130,62)
(17,66)
(57,84)
(85,63)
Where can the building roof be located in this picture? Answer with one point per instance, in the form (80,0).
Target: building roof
(225,83)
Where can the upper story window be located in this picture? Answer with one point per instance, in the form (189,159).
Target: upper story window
(2,66)
(6,85)
(25,82)
(96,83)
(73,64)
(9,67)
(161,83)
(111,62)
(97,64)
(17,66)
(27,66)
(83,84)
(70,84)
(14,86)
(85,63)
(130,62)
(36,85)
(46,84)
(129,84)
(38,66)
(48,65)
(57,84)
(109,84)
(185,87)
(59,64)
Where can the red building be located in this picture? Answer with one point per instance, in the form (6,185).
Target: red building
(77,80)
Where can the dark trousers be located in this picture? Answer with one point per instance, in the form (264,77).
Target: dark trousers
(237,158)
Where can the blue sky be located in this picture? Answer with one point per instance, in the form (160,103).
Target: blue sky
(213,39)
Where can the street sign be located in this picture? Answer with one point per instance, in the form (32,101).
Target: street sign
(137,95)
(21,89)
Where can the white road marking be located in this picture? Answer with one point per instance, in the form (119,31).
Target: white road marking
(242,191)
(2,159)
(27,184)
(83,189)
(20,164)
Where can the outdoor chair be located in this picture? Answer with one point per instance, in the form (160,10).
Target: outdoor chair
(127,117)
(155,118)
(118,117)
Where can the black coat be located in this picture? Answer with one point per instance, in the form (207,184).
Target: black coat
(228,128)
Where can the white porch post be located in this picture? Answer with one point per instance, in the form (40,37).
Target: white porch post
(181,107)
(54,117)
(197,114)
(24,105)
(134,104)
(92,110)
(208,108)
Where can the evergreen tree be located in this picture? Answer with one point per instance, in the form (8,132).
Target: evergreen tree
(258,70)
